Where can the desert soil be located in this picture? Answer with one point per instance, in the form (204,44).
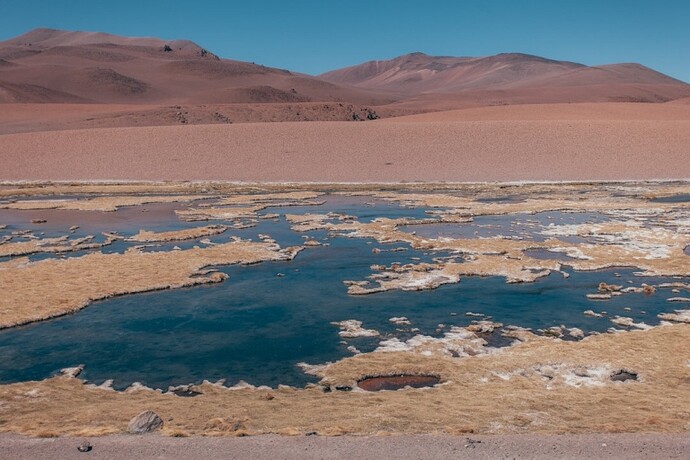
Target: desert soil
(605,141)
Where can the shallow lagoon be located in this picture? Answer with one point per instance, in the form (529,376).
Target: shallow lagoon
(268,317)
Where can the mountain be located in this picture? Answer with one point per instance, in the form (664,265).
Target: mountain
(48,65)
(149,81)
(512,76)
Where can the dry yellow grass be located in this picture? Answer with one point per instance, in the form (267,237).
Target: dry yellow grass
(13,189)
(59,244)
(145,236)
(539,386)
(503,392)
(104,203)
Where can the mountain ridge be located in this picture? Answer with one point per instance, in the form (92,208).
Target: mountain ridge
(60,66)
(50,65)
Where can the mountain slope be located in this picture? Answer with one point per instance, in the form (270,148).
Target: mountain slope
(95,67)
(514,75)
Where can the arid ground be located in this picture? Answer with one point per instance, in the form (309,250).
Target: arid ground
(603,141)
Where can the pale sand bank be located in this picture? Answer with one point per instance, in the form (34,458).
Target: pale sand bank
(647,141)
(600,446)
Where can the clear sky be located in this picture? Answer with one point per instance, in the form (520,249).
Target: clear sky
(314,36)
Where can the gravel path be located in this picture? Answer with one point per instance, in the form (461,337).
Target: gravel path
(599,446)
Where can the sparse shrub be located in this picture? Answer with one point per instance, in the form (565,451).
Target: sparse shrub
(371,115)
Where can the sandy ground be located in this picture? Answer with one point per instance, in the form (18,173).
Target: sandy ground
(601,446)
(556,142)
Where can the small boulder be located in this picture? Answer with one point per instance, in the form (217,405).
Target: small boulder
(145,422)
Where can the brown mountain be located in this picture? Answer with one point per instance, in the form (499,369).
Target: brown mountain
(507,78)
(97,80)
(47,65)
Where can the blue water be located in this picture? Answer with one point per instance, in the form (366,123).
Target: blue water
(682,198)
(258,325)
(509,225)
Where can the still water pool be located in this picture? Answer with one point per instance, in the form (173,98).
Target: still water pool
(266,318)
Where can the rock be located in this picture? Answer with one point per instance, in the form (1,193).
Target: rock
(145,422)
(86,447)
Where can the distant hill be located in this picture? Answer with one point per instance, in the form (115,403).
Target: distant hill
(57,66)
(48,65)
(509,78)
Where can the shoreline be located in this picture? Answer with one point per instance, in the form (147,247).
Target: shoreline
(402,185)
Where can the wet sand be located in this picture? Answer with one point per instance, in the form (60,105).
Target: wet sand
(558,142)
(602,446)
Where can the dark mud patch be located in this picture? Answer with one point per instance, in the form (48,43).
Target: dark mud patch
(185,392)
(397,382)
(623,375)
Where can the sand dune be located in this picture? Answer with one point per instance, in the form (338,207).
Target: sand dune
(560,142)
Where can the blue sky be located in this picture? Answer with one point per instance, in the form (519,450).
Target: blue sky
(315,36)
